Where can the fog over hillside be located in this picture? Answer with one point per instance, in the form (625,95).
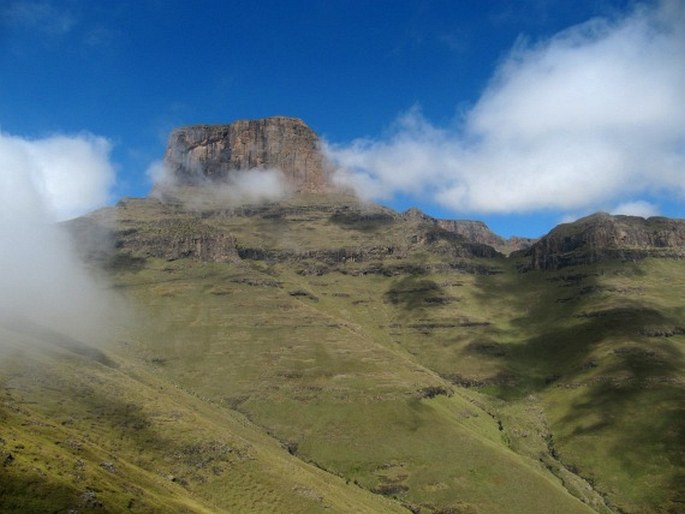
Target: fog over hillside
(42,280)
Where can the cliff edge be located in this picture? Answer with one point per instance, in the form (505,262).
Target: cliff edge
(199,154)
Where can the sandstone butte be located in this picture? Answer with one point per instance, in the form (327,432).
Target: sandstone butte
(200,153)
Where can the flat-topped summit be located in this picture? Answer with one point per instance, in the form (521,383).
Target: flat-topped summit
(603,236)
(200,153)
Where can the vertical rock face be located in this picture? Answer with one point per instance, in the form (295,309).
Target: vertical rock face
(212,152)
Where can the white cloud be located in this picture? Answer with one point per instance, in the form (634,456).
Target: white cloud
(638,208)
(42,281)
(258,185)
(70,174)
(160,176)
(592,115)
(239,186)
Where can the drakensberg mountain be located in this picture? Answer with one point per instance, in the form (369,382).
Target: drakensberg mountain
(308,352)
(602,237)
(214,152)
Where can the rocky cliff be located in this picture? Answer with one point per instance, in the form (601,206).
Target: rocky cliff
(473,231)
(200,153)
(601,237)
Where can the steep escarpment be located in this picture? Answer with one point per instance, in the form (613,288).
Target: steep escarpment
(316,233)
(201,153)
(213,156)
(602,237)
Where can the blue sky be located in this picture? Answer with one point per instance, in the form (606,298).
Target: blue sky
(522,114)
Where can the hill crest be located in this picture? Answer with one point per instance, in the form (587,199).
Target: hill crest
(602,236)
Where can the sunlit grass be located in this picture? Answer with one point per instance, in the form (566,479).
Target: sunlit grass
(415,377)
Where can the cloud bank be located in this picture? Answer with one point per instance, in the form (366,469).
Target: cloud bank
(255,185)
(69,174)
(589,118)
(42,282)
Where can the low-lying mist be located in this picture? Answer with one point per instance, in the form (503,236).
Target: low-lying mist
(258,185)
(45,288)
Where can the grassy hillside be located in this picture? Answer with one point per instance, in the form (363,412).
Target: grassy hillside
(318,354)
(88,431)
(351,400)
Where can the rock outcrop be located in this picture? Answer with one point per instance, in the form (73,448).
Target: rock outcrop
(602,237)
(201,153)
(140,228)
(475,232)
(478,232)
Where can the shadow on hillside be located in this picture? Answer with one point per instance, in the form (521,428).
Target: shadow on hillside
(36,493)
(642,418)
(566,352)
(621,359)
(558,331)
(129,426)
(50,337)
(364,222)
(95,396)
(124,262)
(414,293)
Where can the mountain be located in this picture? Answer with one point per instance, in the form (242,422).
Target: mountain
(213,152)
(474,231)
(317,353)
(603,237)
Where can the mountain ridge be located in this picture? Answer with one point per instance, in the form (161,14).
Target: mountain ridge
(602,236)
(596,238)
(207,156)
(317,353)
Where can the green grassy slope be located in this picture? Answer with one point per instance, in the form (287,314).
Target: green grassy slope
(87,431)
(427,362)
(318,349)
(348,358)
(335,394)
